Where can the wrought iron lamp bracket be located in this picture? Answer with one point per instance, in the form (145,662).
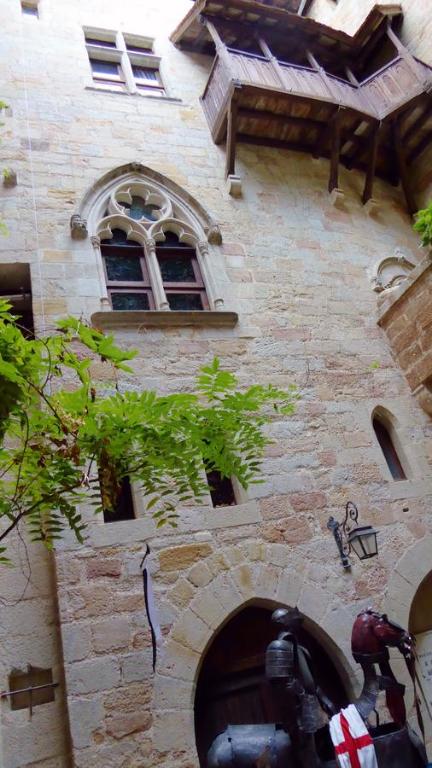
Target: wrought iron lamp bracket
(341,532)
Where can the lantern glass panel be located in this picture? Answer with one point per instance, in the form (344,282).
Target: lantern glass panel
(364,542)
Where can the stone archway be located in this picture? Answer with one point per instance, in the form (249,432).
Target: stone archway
(409,590)
(232,688)
(259,573)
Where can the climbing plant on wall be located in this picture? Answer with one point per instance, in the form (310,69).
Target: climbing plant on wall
(62,430)
(423,225)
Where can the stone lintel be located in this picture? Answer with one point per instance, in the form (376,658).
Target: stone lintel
(163,319)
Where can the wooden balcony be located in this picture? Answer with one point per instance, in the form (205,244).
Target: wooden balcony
(380,125)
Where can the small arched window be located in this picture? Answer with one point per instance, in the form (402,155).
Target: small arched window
(385,435)
(181,275)
(126,273)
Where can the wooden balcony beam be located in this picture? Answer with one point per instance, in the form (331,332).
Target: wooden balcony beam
(420,148)
(412,130)
(336,125)
(232,124)
(371,168)
(402,168)
(295,122)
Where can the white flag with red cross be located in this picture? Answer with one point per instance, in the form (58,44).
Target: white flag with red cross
(351,740)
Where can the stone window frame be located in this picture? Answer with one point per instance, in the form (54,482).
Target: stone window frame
(119,49)
(180,213)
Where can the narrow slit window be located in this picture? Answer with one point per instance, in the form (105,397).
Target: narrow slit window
(385,440)
(221,489)
(181,275)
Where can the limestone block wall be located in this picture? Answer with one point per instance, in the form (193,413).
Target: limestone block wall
(296,270)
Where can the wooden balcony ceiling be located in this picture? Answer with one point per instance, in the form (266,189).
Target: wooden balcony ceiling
(241,21)
(280,79)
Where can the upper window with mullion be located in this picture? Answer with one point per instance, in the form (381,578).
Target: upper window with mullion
(147,79)
(126,274)
(107,73)
(181,275)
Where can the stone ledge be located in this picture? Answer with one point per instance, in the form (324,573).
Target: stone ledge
(165,99)
(163,319)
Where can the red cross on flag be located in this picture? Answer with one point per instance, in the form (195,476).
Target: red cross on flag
(351,740)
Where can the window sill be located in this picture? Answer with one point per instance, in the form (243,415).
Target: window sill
(163,319)
(169,99)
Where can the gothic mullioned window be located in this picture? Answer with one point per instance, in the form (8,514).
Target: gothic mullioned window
(152,248)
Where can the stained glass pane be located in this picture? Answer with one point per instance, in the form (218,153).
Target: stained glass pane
(121,268)
(119,238)
(139,210)
(184,301)
(177,269)
(129,301)
(172,241)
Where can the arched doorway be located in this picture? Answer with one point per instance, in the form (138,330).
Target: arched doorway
(420,624)
(231,685)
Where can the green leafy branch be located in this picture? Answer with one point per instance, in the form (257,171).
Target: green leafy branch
(65,440)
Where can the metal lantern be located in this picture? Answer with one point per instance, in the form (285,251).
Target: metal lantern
(363,540)
(351,537)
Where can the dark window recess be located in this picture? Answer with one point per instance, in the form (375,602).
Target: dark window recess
(148,79)
(221,489)
(129,301)
(32,679)
(146,73)
(138,209)
(123,268)
(100,43)
(123,508)
(138,48)
(177,269)
(30,10)
(390,454)
(119,238)
(100,67)
(184,301)
(15,287)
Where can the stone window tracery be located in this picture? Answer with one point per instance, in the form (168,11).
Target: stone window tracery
(151,246)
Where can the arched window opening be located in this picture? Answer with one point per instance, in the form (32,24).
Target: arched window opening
(232,688)
(384,436)
(126,273)
(181,275)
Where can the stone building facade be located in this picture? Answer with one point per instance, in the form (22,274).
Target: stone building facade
(289,279)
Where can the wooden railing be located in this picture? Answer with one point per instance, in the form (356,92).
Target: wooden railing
(378,96)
